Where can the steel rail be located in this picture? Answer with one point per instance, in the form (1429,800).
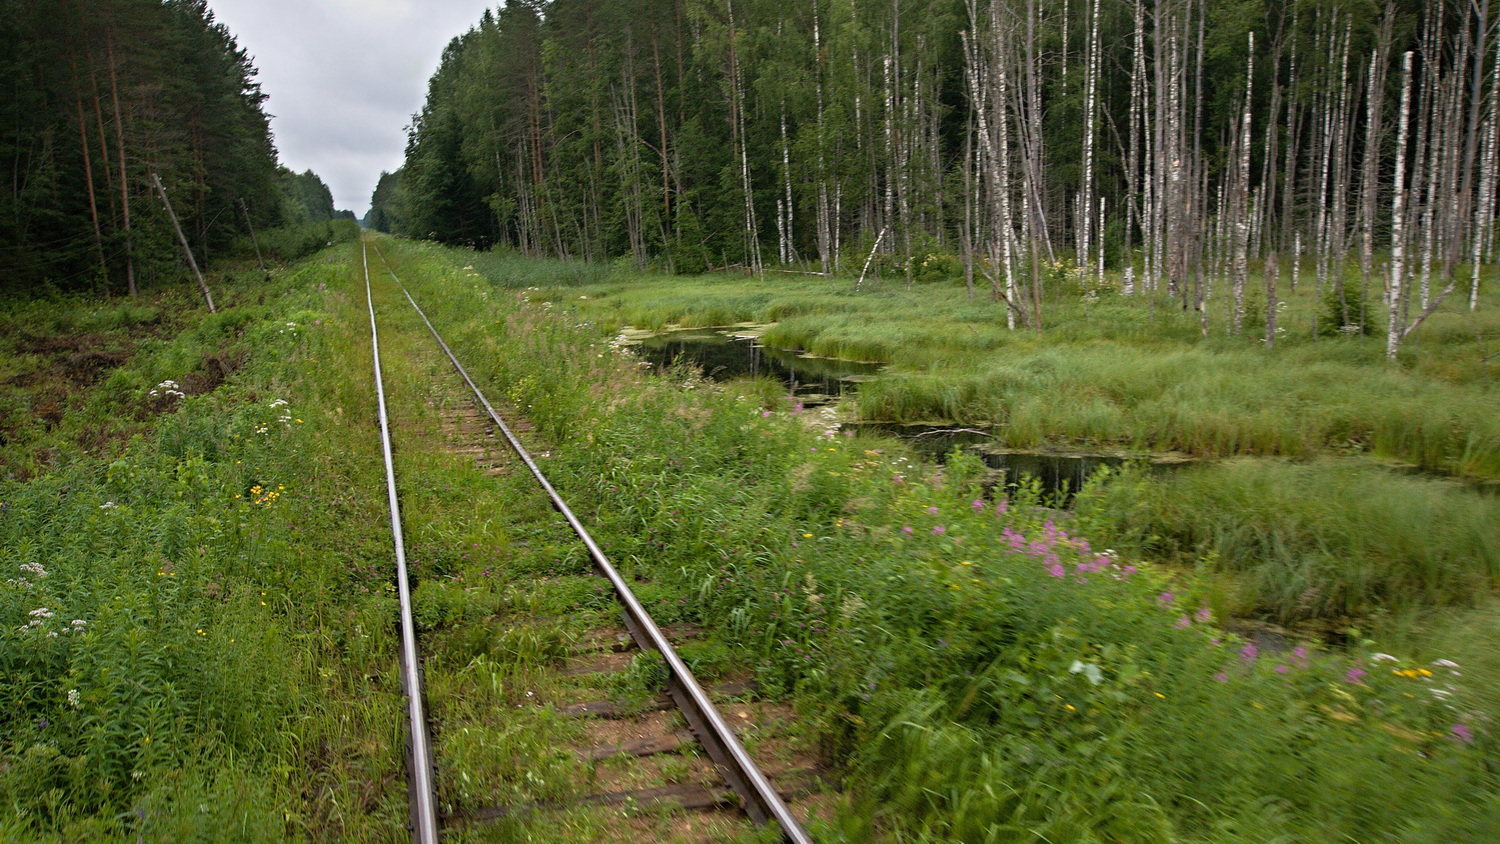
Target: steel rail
(762,802)
(424,828)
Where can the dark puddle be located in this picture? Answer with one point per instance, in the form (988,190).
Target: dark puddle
(722,355)
(1059,475)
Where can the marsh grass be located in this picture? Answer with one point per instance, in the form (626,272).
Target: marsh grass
(1327,538)
(1106,369)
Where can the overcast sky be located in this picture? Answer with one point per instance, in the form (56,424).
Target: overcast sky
(344,78)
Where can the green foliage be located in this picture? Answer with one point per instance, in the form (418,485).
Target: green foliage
(1312,539)
(1344,312)
(975,666)
(166,90)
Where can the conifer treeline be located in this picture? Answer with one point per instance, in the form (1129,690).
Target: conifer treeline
(1012,132)
(100,94)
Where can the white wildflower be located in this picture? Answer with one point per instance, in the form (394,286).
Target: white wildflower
(41,612)
(75,700)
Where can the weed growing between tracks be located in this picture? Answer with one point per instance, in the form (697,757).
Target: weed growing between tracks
(979,672)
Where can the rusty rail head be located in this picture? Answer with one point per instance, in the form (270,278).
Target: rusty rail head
(762,802)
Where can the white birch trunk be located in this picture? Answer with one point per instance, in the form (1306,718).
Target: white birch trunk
(1398,215)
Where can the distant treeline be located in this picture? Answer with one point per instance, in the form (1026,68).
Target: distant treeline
(102,94)
(1194,136)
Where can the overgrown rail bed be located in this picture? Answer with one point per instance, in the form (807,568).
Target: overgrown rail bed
(968,668)
(714,734)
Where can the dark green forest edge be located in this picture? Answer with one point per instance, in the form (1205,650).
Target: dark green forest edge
(102,95)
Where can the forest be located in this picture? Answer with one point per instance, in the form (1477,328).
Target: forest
(102,96)
(1180,143)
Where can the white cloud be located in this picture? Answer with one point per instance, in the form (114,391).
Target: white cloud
(344,78)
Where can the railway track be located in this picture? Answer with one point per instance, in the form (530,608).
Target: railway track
(675,724)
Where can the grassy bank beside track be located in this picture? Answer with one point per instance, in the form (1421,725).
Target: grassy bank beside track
(977,671)
(196,641)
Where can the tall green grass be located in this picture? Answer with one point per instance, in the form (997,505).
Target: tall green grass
(1105,371)
(1318,539)
(207,662)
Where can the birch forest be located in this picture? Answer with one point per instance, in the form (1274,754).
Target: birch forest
(1190,149)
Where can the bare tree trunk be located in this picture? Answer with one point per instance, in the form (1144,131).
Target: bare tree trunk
(661,122)
(825,233)
(1484,220)
(966,235)
(114,88)
(1374,118)
(88,179)
(259,260)
(784,217)
(1338,220)
(1241,208)
(1476,97)
(186,250)
(752,234)
(1398,215)
(1133,158)
(1086,193)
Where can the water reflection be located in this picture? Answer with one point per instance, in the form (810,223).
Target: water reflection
(1059,475)
(722,355)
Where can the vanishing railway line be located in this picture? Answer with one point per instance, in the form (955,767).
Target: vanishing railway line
(755,793)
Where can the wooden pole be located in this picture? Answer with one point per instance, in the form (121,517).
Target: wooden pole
(253,241)
(183,240)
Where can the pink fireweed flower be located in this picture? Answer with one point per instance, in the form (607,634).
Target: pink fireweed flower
(939,530)
(1356,675)
(1166,598)
(1183,623)
(1462,733)
(978,504)
(1282,669)
(1056,570)
(1001,508)
(1221,677)
(1016,541)
(1300,657)
(765,413)
(1204,614)
(906,529)
(933,510)
(1249,653)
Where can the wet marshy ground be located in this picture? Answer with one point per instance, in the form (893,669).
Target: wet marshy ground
(728,353)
